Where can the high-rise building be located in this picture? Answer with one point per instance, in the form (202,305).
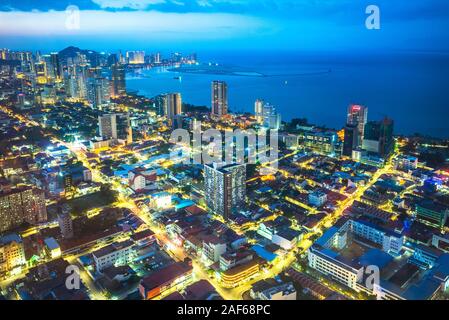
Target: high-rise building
(135,57)
(219,99)
(271,118)
(172,105)
(258,110)
(124,129)
(107,126)
(98,91)
(115,127)
(41,72)
(157,58)
(351,139)
(358,115)
(21,205)
(65,225)
(378,137)
(225,188)
(118,80)
(56,64)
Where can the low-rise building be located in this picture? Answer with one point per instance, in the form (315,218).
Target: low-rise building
(52,247)
(116,254)
(213,248)
(173,275)
(278,291)
(12,254)
(317,198)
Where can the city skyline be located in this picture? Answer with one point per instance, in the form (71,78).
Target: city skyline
(165,170)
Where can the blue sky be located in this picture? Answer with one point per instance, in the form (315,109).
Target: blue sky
(309,25)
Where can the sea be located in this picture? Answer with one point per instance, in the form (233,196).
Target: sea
(412,88)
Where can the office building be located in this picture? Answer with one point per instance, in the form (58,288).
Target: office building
(320,142)
(56,65)
(225,187)
(351,139)
(378,137)
(358,116)
(271,118)
(219,99)
(431,212)
(98,91)
(118,80)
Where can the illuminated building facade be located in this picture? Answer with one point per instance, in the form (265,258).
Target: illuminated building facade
(320,142)
(271,118)
(172,105)
(22,205)
(225,187)
(135,57)
(219,99)
(258,110)
(116,254)
(234,276)
(178,273)
(378,137)
(12,254)
(358,116)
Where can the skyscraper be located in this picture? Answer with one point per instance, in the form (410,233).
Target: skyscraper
(107,126)
(135,57)
(98,91)
(219,99)
(271,118)
(124,129)
(225,188)
(358,115)
(118,80)
(57,68)
(379,137)
(351,139)
(258,110)
(172,105)
(115,127)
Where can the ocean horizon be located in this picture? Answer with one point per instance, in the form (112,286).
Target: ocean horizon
(411,88)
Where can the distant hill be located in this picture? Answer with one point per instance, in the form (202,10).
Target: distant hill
(71,52)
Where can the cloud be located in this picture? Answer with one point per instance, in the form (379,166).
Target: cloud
(144,24)
(131,4)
